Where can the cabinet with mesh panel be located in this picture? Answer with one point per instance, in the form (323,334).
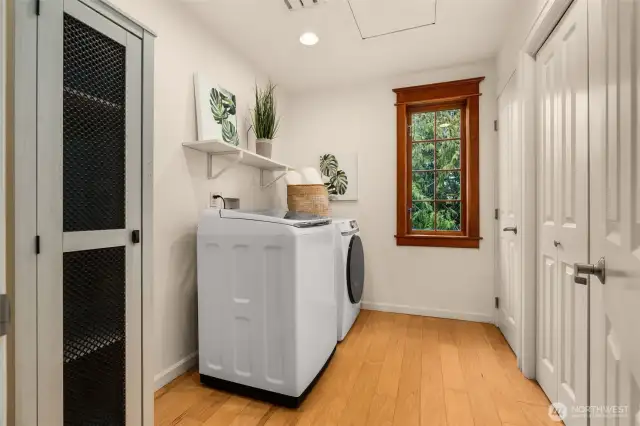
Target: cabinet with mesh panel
(93,159)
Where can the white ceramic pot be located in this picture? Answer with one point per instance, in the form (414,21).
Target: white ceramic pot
(263,147)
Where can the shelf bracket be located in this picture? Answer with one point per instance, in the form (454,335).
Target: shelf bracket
(280,176)
(232,164)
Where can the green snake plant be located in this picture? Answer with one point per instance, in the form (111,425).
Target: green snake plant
(264,117)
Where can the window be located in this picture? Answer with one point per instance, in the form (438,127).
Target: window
(437,183)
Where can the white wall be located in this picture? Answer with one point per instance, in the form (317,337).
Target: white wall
(432,281)
(183,47)
(528,13)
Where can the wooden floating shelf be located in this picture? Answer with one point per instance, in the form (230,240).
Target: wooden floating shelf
(239,155)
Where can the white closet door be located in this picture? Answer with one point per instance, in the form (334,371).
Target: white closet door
(614,40)
(547,345)
(562,66)
(510,215)
(89,204)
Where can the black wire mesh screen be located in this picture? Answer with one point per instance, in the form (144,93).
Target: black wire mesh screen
(94,129)
(94,337)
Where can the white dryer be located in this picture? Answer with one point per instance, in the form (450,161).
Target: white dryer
(349,273)
(266,302)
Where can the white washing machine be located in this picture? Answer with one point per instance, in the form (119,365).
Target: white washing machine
(266,302)
(349,273)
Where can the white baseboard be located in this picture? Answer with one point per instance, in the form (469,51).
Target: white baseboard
(427,312)
(176,370)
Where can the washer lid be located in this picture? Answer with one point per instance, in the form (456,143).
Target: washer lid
(283,217)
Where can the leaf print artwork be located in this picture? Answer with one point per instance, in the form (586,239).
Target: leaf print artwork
(340,182)
(228,101)
(328,165)
(216,112)
(330,188)
(220,113)
(336,180)
(229,132)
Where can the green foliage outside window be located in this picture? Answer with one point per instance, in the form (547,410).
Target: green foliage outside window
(436,176)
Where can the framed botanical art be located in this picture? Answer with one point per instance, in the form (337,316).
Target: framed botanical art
(216,111)
(340,175)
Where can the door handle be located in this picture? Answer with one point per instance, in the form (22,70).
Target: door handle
(5,314)
(513,229)
(598,270)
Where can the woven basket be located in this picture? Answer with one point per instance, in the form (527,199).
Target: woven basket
(308,199)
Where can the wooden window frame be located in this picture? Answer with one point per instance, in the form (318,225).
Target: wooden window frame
(463,94)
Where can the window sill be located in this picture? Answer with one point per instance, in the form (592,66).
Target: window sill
(438,241)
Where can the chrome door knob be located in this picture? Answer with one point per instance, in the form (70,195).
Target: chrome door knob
(513,229)
(598,270)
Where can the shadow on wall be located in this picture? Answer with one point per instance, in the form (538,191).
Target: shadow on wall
(181,301)
(196,163)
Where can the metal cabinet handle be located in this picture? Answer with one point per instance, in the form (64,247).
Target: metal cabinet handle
(598,270)
(5,314)
(513,229)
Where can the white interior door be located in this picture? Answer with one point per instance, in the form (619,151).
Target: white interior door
(614,40)
(510,215)
(562,68)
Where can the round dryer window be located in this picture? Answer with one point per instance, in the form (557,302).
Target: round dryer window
(355,269)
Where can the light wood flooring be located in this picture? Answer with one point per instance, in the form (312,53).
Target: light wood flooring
(391,370)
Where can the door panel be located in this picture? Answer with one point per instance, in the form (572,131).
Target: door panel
(614,43)
(89,202)
(573,230)
(563,104)
(510,209)
(547,368)
(134,222)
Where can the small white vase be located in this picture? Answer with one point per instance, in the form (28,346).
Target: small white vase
(263,147)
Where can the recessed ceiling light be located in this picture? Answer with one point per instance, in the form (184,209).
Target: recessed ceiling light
(309,39)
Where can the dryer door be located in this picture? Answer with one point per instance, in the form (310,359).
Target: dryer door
(355,270)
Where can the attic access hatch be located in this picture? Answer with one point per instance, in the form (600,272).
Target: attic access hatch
(376,18)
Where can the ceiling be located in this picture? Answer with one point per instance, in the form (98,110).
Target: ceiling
(267,33)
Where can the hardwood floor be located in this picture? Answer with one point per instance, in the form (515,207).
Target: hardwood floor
(391,370)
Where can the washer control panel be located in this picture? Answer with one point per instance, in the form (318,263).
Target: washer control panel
(347,226)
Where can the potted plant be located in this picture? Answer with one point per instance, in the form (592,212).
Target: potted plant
(264,119)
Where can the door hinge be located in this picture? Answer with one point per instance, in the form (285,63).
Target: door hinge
(496,214)
(37,7)
(495,125)
(37,244)
(497,303)
(5,314)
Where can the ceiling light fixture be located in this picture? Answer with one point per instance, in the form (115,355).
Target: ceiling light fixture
(309,39)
